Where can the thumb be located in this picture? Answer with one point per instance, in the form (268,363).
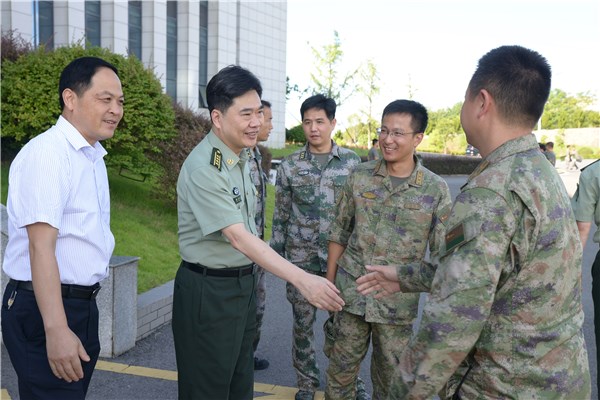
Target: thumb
(82,353)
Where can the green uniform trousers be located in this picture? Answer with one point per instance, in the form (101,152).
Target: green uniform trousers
(214,322)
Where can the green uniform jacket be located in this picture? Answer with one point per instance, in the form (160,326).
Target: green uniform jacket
(305,198)
(506,296)
(586,200)
(214,191)
(384,225)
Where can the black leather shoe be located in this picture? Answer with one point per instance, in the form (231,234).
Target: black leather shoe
(260,363)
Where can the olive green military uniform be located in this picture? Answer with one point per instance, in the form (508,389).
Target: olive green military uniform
(379,223)
(214,317)
(504,315)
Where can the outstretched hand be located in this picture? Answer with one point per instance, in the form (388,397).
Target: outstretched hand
(382,281)
(320,292)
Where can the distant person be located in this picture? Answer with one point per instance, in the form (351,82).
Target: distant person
(59,238)
(504,315)
(260,179)
(389,212)
(308,184)
(214,303)
(542,147)
(549,153)
(572,158)
(374,153)
(586,205)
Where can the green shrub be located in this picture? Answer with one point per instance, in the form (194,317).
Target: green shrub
(588,152)
(295,135)
(30,104)
(191,129)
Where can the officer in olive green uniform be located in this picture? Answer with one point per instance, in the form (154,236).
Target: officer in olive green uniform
(586,205)
(504,315)
(214,308)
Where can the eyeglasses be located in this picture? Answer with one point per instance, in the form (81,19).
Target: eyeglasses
(382,132)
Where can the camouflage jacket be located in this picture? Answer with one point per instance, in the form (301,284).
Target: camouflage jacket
(384,225)
(259,178)
(504,313)
(305,198)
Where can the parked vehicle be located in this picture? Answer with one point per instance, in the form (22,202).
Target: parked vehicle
(471,151)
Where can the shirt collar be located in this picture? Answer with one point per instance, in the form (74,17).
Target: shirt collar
(306,154)
(76,139)
(415,178)
(507,149)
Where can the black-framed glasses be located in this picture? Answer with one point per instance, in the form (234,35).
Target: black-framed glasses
(382,132)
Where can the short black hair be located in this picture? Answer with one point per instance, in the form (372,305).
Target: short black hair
(518,79)
(374,141)
(230,82)
(78,75)
(320,102)
(266,103)
(417,111)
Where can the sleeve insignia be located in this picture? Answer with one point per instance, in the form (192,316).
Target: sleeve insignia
(216,158)
(455,237)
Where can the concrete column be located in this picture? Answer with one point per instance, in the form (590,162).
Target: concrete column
(69,23)
(115,30)
(154,38)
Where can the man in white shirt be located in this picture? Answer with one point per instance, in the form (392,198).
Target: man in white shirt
(60,241)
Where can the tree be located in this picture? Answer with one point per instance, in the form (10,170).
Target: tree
(326,78)
(564,111)
(368,86)
(444,126)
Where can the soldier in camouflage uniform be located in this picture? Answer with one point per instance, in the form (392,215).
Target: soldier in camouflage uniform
(308,184)
(504,315)
(260,179)
(388,214)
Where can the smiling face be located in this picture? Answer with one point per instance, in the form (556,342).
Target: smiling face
(97,111)
(398,148)
(239,125)
(317,130)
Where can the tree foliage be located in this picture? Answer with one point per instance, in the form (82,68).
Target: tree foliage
(328,78)
(565,111)
(444,126)
(369,87)
(30,104)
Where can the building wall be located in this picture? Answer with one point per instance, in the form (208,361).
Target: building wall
(250,34)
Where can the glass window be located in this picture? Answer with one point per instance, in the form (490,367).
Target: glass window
(92,23)
(135,29)
(203,62)
(172,49)
(45,23)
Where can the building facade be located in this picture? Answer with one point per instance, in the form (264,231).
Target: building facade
(184,42)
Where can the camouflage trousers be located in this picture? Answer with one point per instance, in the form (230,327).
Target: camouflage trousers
(303,340)
(261,297)
(352,337)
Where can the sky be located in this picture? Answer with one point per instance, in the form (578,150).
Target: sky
(433,46)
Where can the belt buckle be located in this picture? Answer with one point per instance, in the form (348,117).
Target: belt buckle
(95,293)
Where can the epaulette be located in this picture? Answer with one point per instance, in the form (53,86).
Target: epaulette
(419,178)
(589,165)
(216,158)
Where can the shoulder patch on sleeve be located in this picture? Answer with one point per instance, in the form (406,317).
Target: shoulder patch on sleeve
(216,158)
(455,237)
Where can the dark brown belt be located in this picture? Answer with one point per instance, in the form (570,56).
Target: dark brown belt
(236,272)
(68,291)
